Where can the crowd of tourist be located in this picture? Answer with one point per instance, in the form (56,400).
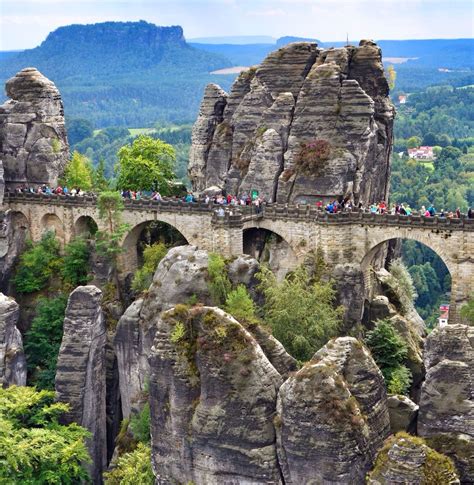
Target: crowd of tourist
(258,202)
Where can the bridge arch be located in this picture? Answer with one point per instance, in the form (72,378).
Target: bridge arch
(148,232)
(51,222)
(85,226)
(378,250)
(378,242)
(268,244)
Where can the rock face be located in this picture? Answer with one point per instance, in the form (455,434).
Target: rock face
(446,416)
(13,235)
(33,142)
(405,459)
(403,413)
(12,358)
(333,416)
(212,397)
(80,375)
(2,183)
(181,276)
(306,124)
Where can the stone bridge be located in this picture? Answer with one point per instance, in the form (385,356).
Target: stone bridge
(348,240)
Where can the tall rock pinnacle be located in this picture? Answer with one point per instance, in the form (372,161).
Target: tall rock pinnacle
(33,142)
(306,124)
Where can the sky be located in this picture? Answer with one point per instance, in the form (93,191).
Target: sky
(26,23)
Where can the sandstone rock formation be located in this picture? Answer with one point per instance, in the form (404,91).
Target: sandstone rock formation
(182,275)
(179,276)
(2,183)
(333,416)
(299,96)
(80,375)
(406,459)
(12,358)
(403,414)
(446,416)
(13,235)
(33,142)
(214,392)
(384,305)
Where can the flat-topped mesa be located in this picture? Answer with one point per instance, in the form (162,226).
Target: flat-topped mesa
(306,124)
(33,142)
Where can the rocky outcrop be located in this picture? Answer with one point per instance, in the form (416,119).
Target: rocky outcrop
(2,183)
(181,276)
(12,358)
(33,142)
(332,416)
(268,132)
(214,392)
(403,413)
(446,416)
(13,235)
(81,374)
(406,459)
(408,323)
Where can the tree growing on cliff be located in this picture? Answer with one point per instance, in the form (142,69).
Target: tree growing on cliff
(34,447)
(146,164)
(43,340)
(300,310)
(389,351)
(38,264)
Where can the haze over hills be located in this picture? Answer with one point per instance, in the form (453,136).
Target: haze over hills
(136,74)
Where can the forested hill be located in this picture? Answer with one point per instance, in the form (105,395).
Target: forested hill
(122,73)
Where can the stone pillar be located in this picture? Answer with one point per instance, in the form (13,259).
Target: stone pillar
(81,372)
(12,358)
(462,287)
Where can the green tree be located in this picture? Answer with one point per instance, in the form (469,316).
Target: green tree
(430,139)
(75,268)
(43,340)
(140,425)
(38,264)
(300,311)
(78,172)
(146,164)
(392,76)
(414,142)
(240,305)
(152,255)
(389,351)
(34,447)
(100,182)
(110,205)
(467,311)
(219,284)
(78,129)
(132,468)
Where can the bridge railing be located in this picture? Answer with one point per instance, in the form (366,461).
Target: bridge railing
(236,215)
